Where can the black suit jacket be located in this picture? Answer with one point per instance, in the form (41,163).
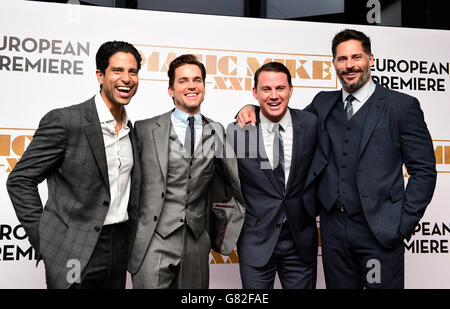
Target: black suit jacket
(394,134)
(264,195)
(68,151)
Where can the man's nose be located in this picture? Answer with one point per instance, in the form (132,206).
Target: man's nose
(350,63)
(273,94)
(125,77)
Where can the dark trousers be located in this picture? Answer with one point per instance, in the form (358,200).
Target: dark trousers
(107,267)
(293,271)
(353,258)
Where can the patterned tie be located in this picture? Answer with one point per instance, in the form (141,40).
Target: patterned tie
(278,154)
(189,138)
(349,106)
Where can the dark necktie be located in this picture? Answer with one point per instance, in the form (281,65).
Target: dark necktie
(189,138)
(349,106)
(278,155)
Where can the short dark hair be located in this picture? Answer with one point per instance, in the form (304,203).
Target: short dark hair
(351,34)
(273,67)
(108,49)
(182,60)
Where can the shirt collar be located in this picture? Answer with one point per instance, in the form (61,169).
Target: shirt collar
(183,116)
(104,115)
(268,124)
(362,94)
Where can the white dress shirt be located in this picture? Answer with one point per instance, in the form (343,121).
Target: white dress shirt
(180,123)
(119,157)
(361,95)
(286,134)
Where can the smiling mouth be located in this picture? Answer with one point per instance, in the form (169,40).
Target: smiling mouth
(191,95)
(274,104)
(124,91)
(351,73)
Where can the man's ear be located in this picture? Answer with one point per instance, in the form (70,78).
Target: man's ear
(254,93)
(100,76)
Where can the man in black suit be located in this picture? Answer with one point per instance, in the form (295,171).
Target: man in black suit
(280,232)
(366,134)
(87,155)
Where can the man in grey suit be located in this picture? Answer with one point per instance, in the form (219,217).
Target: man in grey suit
(190,200)
(366,134)
(86,154)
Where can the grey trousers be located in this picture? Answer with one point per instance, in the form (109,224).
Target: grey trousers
(178,261)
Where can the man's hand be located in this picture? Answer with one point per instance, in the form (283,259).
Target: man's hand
(246,115)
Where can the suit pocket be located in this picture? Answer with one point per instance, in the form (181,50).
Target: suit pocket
(52,232)
(54,214)
(397,193)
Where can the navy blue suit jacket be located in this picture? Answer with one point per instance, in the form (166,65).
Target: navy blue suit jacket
(264,195)
(394,134)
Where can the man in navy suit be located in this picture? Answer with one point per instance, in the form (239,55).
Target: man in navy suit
(279,233)
(366,134)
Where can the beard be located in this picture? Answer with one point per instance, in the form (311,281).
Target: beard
(359,83)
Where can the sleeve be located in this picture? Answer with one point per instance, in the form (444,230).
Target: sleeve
(37,163)
(226,203)
(418,156)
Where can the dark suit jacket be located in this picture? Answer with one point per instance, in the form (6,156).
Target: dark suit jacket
(264,195)
(394,134)
(68,151)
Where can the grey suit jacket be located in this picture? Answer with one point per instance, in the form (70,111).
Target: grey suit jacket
(216,202)
(68,151)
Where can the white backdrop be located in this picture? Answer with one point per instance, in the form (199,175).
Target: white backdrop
(47,60)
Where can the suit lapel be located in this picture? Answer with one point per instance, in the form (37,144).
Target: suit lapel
(264,163)
(298,134)
(206,144)
(94,136)
(376,105)
(324,110)
(161,140)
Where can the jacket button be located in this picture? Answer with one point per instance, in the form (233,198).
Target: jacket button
(278,225)
(97,229)
(155,218)
(162,194)
(106,203)
(314,174)
(181,220)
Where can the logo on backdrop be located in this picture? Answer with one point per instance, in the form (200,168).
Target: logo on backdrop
(418,75)
(217,258)
(429,237)
(13,251)
(442,152)
(233,70)
(40,55)
(13,143)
